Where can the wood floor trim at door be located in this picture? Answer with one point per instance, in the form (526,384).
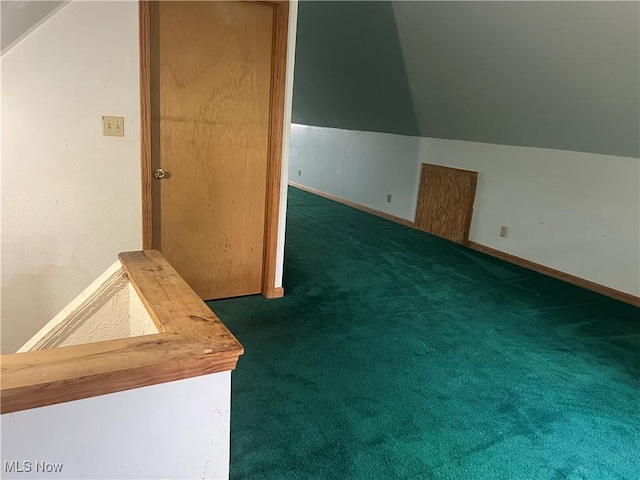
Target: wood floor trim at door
(278,292)
(144,12)
(274,162)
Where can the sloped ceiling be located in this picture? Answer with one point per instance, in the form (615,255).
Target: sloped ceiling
(349,69)
(563,75)
(19,18)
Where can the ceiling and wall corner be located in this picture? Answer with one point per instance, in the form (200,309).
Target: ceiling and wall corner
(18,18)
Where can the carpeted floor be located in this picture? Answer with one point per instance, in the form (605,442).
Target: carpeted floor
(398,355)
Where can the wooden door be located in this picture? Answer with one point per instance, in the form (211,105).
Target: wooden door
(213,67)
(445,202)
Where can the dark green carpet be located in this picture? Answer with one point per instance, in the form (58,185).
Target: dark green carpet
(398,355)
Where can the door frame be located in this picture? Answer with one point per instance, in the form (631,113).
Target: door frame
(276,125)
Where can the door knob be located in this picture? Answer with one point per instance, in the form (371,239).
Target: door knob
(159,174)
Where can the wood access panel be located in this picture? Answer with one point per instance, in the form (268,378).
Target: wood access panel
(445,202)
(215,70)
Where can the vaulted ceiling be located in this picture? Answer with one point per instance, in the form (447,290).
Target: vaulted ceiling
(563,75)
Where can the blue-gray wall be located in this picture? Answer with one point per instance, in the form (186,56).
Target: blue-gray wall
(349,71)
(563,75)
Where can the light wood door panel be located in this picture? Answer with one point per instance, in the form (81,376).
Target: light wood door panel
(445,202)
(215,61)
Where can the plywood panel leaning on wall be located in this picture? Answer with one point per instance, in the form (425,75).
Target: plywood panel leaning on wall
(445,202)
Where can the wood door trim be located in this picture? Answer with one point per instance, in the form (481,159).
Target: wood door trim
(274,162)
(278,292)
(144,12)
(276,125)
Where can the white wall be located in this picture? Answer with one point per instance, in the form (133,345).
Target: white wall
(360,166)
(70,197)
(173,430)
(576,212)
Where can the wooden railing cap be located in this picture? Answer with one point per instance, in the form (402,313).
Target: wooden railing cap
(192,342)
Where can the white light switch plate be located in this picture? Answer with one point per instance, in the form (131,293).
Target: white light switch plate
(112,126)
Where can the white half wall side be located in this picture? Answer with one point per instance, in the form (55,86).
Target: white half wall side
(575,212)
(172,430)
(70,197)
(107,309)
(286,139)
